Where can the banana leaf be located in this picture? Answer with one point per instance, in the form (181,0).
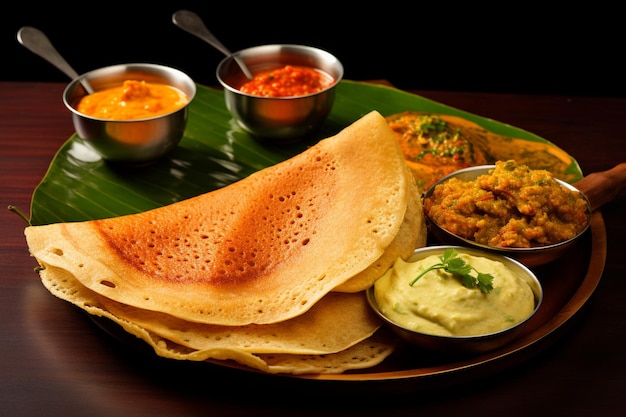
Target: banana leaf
(213,153)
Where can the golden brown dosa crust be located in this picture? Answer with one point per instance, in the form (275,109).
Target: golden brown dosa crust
(336,322)
(365,354)
(262,250)
(361,354)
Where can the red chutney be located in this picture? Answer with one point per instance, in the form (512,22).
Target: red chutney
(287,81)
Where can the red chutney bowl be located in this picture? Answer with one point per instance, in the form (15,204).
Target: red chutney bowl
(284,118)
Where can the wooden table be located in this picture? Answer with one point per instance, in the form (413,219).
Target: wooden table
(54,361)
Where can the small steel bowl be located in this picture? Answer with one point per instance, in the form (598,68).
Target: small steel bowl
(130,141)
(533,256)
(278,119)
(464,345)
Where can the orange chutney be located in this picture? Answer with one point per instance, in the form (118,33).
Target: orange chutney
(132,100)
(287,81)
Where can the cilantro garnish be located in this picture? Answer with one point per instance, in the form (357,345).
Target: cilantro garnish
(453,264)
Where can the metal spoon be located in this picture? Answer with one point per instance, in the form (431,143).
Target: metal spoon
(36,41)
(191,22)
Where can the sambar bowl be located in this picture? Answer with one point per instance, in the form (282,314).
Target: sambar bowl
(462,345)
(136,141)
(529,256)
(281,119)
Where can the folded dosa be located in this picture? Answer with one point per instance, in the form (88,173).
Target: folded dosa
(412,235)
(262,250)
(335,323)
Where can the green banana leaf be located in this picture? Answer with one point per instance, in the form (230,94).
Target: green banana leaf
(213,153)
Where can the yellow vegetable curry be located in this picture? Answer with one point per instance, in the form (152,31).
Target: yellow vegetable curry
(511,206)
(133,100)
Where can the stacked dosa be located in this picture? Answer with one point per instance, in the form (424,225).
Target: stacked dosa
(259,253)
(339,333)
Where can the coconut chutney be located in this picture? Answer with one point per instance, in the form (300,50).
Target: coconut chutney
(438,303)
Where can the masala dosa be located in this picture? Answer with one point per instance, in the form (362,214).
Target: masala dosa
(261,250)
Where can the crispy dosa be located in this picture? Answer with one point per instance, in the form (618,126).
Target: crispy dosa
(359,353)
(262,250)
(335,323)
(412,235)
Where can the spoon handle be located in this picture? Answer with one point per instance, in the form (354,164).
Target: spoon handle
(36,41)
(602,187)
(191,23)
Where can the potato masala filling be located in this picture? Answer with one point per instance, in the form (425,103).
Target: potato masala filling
(511,206)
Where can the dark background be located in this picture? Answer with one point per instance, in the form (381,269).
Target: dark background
(514,48)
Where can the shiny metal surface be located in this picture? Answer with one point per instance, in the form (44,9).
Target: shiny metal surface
(462,345)
(281,119)
(130,141)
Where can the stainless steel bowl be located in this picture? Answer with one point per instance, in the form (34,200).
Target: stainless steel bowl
(534,256)
(278,119)
(130,141)
(464,345)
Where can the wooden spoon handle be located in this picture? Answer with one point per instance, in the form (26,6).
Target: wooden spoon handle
(602,187)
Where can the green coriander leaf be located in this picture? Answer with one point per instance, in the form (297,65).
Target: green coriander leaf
(458,266)
(485,282)
(453,264)
(468,281)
